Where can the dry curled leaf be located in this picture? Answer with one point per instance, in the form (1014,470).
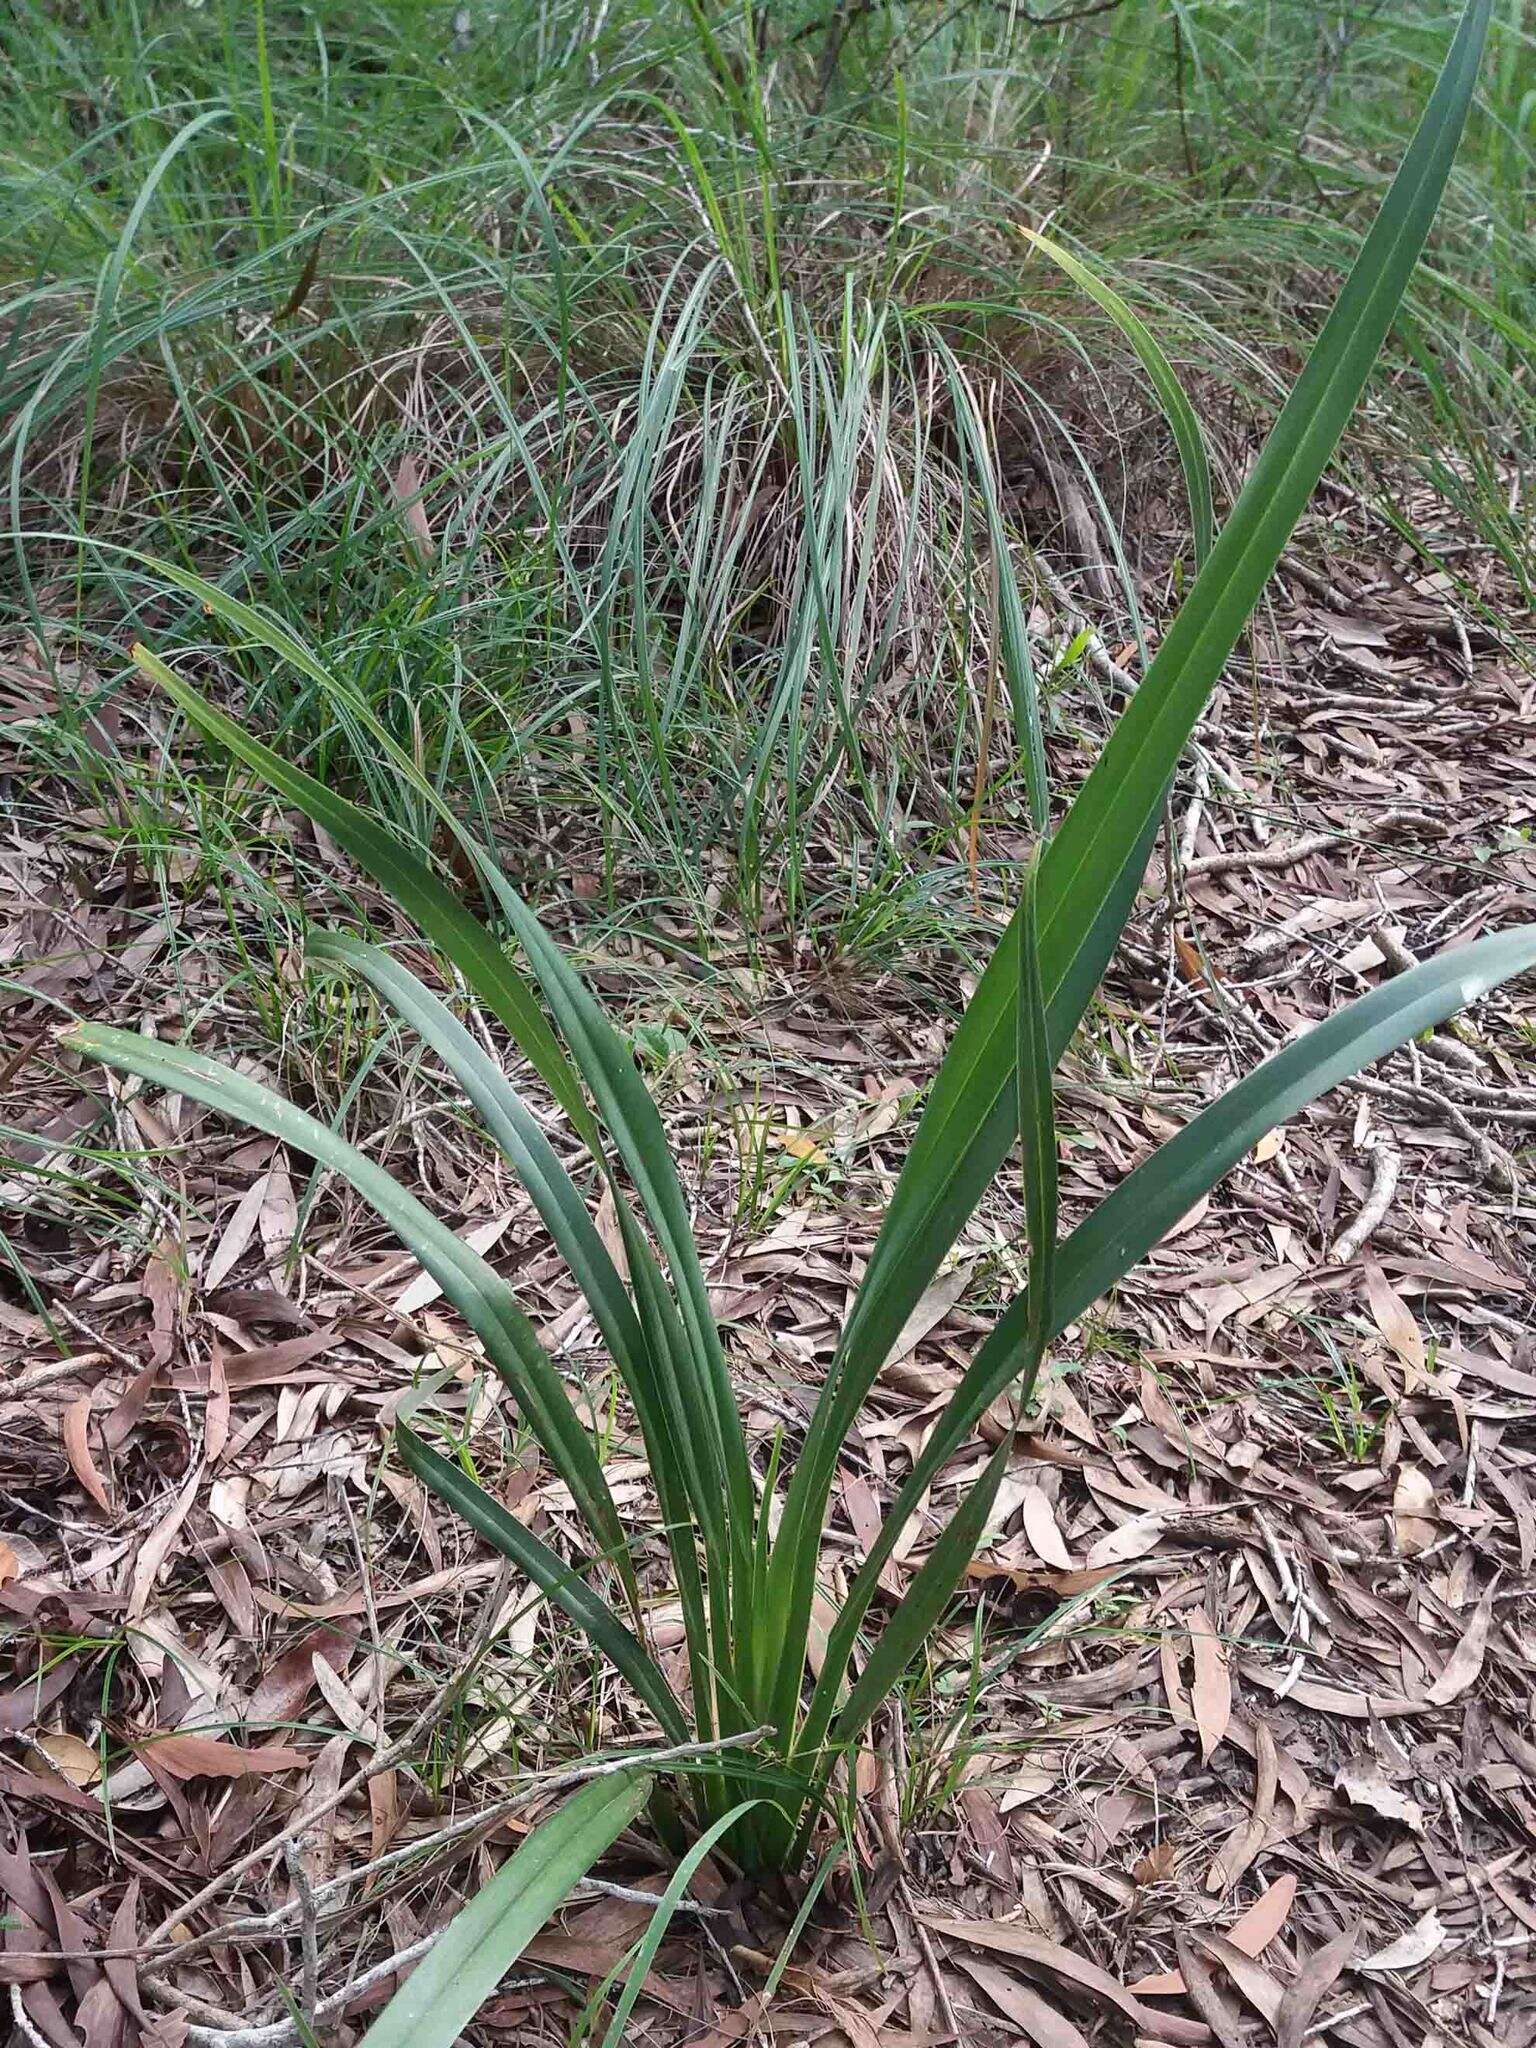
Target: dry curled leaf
(74,1426)
(1413,1511)
(1365,1785)
(1422,1940)
(73,1759)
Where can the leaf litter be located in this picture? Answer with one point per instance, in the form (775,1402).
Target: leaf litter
(1250,1755)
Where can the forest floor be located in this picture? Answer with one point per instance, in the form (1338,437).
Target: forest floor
(1235,1718)
(531,364)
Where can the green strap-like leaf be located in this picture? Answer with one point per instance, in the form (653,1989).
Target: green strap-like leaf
(1037,1130)
(1090,873)
(925,1599)
(631,1118)
(1129,1222)
(483,1940)
(669,1431)
(429,904)
(597,1622)
(606,1065)
(480,1295)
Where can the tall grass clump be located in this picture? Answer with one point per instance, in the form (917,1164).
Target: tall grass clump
(615,397)
(745,1535)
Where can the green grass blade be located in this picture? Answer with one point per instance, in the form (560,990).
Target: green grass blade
(480,1295)
(1012,626)
(661,1919)
(1194,459)
(483,1940)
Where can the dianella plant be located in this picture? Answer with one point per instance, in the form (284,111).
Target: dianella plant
(744,1524)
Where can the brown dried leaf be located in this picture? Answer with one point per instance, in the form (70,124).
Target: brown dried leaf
(278,1217)
(1011,1938)
(74,1425)
(1019,2002)
(1246,1841)
(405,488)
(1395,1322)
(1250,1977)
(287,1684)
(1205,1995)
(209,1756)
(1043,1531)
(1465,1664)
(1252,1933)
(156,1546)
(73,1759)
(161,1287)
(1426,1937)
(1365,1785)
(237,1234)
(1133,1539)
(1211,1693)
(1305,1993)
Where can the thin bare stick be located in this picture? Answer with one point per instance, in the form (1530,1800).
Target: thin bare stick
(309,1934)
(279,2033)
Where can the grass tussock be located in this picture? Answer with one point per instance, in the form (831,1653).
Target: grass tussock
(622,406)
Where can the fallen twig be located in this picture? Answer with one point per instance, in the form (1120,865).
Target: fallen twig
(157,1961)
(1386,1165)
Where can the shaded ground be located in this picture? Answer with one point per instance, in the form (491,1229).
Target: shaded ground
(1242,1690)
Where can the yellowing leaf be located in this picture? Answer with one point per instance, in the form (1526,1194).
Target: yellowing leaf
(797,1145)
